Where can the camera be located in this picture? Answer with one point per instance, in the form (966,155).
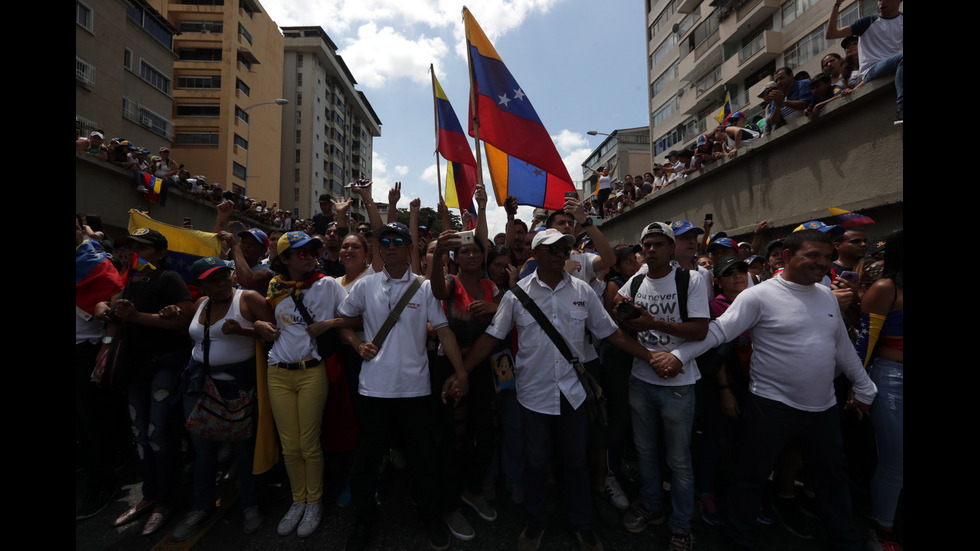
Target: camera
(627,310)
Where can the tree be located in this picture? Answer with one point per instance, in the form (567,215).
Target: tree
(430,218)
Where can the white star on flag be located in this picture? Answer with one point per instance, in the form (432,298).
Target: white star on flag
(503,100)
(519,94)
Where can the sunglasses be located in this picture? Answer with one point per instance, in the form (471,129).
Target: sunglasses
(555,249)
(388,243)
(731,271)
(305,253)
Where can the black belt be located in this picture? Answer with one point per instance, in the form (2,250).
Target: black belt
(296,365)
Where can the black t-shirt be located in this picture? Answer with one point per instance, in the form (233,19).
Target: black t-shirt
(161,288)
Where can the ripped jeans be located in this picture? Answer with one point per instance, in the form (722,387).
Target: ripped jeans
(154,406)
(888,420)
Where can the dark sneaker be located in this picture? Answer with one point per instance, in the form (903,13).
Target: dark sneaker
(253,520)
(709,511)
(900,117)
(458,526)
(764,517)
(191,524)
(480,505)
(640,517)
(788,512)
(96,499)
(437,534)
(679,541)
(876,542)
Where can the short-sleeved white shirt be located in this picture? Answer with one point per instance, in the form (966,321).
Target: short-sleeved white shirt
(294,343)
(541,372)
(401,367)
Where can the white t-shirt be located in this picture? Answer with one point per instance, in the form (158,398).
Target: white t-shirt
(659,298)
(294,343)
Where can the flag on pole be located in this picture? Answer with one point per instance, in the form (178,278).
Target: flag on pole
(453,146)
(521,156)
(725,110)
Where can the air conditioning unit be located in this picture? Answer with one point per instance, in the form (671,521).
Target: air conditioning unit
(146,121)
(680,92)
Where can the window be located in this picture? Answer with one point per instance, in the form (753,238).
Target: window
(199,82)
(202,2)
(244,34)
(150,22)
(296,175)
(807,48)
(241,114)
(662,50)
(299,60)
(197,138)
(298,136)
(154,77)
(299,117)
(296,194)
(661,21)
(299,98)
(665,143)
(143,116)
(663,80)
(794,9)
(128,59)
(84,73)
(246,7)
(199,54)
(198,110)
(240,142)
(204,27)
(298,156)
(83,15)
(299,79)
(662,114)
(849,15)
(238,170)
(245,62)
(242,87)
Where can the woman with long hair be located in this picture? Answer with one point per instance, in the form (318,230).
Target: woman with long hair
(880,345)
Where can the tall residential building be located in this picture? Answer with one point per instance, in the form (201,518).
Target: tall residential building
(698,50)
(328,127)
(229,60)
(123,71)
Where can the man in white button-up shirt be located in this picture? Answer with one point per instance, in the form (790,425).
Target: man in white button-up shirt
(548,388)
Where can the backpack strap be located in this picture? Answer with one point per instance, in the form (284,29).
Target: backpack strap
(682,279)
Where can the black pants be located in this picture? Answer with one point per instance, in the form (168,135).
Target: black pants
(767,427)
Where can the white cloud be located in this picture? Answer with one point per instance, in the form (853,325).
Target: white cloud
(566,141)
(381,54)
(401,170)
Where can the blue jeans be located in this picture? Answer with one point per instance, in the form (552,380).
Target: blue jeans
(674,407)
(886,67)
(888,420)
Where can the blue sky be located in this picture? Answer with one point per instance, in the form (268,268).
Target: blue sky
(581,63)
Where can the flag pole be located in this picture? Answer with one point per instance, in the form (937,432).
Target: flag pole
(473,104)
(435,115)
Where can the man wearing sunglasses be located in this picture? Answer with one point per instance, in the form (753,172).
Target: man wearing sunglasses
(394,383)
(548,389)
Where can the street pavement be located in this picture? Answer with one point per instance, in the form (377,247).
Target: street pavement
(398,527)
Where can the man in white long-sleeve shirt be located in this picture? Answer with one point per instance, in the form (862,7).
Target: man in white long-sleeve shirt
(799,343)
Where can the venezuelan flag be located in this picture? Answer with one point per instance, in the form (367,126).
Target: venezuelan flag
(726,109)
(184,246)
(850,219)
(452,145)
(96,279)
(153,186)
(521,156)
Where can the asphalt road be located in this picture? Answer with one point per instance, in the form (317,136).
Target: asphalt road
(398,527)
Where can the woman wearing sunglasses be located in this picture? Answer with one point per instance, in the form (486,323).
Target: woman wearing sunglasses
(297,378)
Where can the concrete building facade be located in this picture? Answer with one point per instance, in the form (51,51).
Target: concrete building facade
(328,127)
(697,50)
(229,60)
(629,146)
(124,71)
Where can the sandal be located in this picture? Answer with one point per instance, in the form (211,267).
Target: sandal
(133,513)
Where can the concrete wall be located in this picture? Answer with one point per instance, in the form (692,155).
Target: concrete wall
(851,157)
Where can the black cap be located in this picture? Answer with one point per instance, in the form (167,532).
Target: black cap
(726,263)
(394,227)
(150,237)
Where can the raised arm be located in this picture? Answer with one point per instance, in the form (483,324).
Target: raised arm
(394,194)
(482,232)
(832,30)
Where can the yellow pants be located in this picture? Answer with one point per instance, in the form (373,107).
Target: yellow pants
(297,398)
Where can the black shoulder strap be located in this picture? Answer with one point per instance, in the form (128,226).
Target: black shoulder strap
(379,339)
(544,322)
(298,301)
(682,279)
(635,285)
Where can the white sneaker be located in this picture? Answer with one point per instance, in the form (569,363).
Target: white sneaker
(615,493)
(292,518)
(311,520)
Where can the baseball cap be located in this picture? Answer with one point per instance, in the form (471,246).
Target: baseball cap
(203,267)
(817,225)
(150,237)
(396,228)
(657,228)
(726,263)
(550,236)
(722,242)
(258,234)
(681,227)
(295,239)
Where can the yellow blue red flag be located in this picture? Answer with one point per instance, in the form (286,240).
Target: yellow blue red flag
(453,146)
(184,246)
(725,110)
(521,156)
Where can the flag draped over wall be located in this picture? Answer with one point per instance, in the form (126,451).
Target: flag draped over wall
(452,145)
(726,109)
(521,156)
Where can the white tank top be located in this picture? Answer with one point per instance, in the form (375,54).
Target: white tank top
(224,349)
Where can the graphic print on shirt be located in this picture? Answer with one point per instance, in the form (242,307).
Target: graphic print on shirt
(663,306)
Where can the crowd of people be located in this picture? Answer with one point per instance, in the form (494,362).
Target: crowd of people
(685,332)
(873,49)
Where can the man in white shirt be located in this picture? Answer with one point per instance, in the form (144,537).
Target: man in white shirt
(394,383)
(799,343)
(548,388)
(670,316)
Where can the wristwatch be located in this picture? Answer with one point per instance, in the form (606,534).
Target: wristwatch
(107,340)
(588,222)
